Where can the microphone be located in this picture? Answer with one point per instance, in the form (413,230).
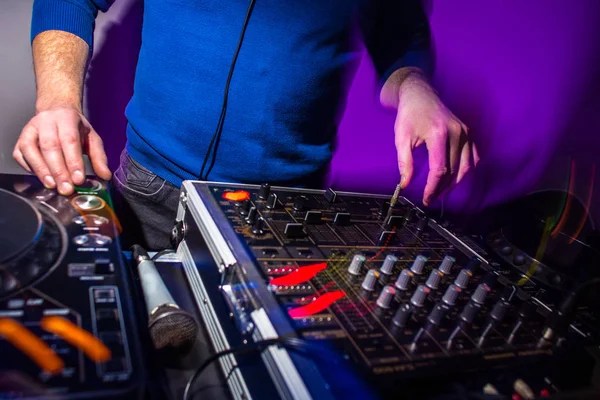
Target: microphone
(169,326)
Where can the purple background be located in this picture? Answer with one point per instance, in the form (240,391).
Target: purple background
(523,75)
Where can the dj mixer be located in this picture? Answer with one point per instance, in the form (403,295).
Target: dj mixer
(67,319)
(396,302)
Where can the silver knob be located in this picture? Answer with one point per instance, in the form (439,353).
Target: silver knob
(388,264)
(451,295)
(434,279)
(370,280)
(403,282)
(480,293)
(462,280)
(446,265)
(386,297)
(356,265)
(418,265)
(418,298)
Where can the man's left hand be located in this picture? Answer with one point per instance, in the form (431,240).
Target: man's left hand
(423,118)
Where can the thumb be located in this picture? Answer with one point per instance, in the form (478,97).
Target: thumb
(98,156)
(405,163)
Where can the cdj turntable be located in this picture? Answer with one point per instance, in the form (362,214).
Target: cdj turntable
(66,324)
(398,304)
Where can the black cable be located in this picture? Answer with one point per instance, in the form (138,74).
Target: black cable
(219,129)
(292,343)
(162,253)
(560,320)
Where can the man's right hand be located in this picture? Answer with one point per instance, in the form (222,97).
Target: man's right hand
(52,144)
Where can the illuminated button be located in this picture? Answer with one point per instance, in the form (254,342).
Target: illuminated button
(101,240)
(80,338)
(88,202)
(81,240)
(239,195)
(98,220)
(80,220)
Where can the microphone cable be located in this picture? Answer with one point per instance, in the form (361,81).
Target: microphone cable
(219,129)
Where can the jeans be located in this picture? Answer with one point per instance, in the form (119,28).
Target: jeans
(146,204)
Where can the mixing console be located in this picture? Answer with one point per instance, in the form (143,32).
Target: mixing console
(396,294)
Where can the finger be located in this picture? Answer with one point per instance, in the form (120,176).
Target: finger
(28,146)
(50,147)
(438,167)
(456,139)
(68,134)
(18,156)
(98,156)
(475,154)
(466,162)
(405,163)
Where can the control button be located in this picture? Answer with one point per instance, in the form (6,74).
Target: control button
(519,259)
(480,293)
(356,265)
(101,240)
(294,230)
(104,267)
(272,201)
(313,217)
(388,264)
(90,184)
(300,203)
(462,280)
(238,196)
(98,220)
(418,265)
(263,192)
(420,295)
(258,227)
(434,279)
(470,312)
(451,295)
(244,207)
(88,202)
(446,265)
(385,237)
(404,279)
(370,280)
(401,317)
(104,294)
(437,314)
(330,195)
(342,219)
(506,250)
(386,297)
(81,240)
(80,220)
(251,216)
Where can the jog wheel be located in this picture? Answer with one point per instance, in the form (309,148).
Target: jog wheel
(32,242)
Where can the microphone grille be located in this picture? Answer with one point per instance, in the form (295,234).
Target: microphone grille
(171,327)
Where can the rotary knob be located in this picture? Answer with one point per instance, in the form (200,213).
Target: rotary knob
(451,295)
(356,265)
(402,315)
(434,279)
(370,280)
(480,293)
(263,192)
(437,314)
(499,310)
(470,312)
(403,281)
(88,202)
(462,280)
(446,265)
(388,264)
(258,227)
(244,207)
(418,265)
(418,298)
(300,203)
(386,297)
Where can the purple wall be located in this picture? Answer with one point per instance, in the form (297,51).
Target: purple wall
(523,75)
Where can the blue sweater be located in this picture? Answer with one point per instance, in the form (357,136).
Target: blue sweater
(287,89)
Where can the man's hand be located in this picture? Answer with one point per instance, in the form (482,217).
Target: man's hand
(423,118)
(51,146)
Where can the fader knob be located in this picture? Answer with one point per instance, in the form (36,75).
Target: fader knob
(480,293)
(420,295)
(257,228)
(403,281)
(402,315)
(434,279)
(388,264)
(386,297)
(264,191)
(300,203)
(418,265)
(462,280)
(251,217)
(451,295)
(272,201)
(446,265)
(370,280)
(356,265)
(244,207)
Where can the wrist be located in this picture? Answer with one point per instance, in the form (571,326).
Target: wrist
(398,82)
(45,104)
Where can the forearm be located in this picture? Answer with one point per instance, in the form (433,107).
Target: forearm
(60,60)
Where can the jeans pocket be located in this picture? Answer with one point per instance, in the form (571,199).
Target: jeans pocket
(135,178)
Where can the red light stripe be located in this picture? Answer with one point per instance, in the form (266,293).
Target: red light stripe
(299,276)
(318,305)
